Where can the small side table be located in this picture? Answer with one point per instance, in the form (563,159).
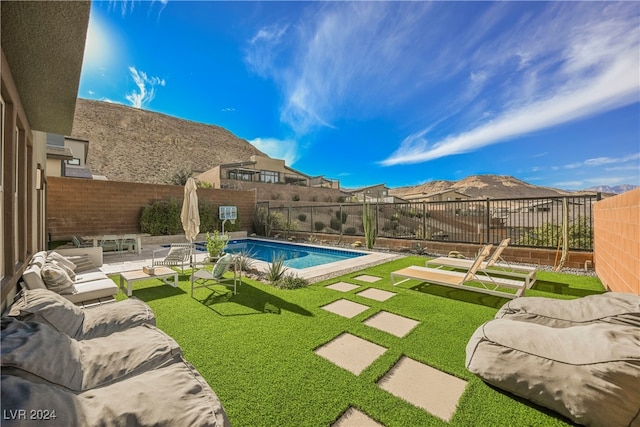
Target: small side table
(161,273)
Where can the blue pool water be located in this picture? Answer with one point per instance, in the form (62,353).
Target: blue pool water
(296,256)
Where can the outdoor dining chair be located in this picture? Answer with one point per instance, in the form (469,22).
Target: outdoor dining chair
(110,241)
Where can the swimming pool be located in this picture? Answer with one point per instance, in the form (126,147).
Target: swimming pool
(295,255)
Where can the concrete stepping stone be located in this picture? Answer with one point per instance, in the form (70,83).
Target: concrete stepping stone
(367,278)
(353,417)
(345,308)
(342,286)
(376,294)
(394,324)
(350,352)
(425,387)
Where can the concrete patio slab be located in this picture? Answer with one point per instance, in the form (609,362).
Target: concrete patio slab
(368,278)
(394,324)
(350,352)
(345,308)
(353,417)
(342,286)
(376,294)
(425,387)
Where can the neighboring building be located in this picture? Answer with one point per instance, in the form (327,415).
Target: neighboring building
(67,156)
(438,196)
(263,170)
(42,46)
(378,193)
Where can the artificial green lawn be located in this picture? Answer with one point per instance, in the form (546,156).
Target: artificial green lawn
(256,349)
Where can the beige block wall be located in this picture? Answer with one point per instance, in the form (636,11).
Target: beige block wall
(616,223)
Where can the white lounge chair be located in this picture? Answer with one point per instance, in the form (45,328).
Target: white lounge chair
(179,255)
(205,279)
(455,279)
(493,265)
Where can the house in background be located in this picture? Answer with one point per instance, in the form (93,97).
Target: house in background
(42,46)
(260,169)
(438,196)
(67,156)
(378,193)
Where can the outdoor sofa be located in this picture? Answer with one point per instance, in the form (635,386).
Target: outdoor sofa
(580,358)
(73,273)
(106,365)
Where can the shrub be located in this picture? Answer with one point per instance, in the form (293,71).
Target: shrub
(180,177)
(291,281)
(302,217)
(161,217)
(276,269)
(246,260)
(342,216)
(335,223)
(295,198)
(209,220)
(349,230)
(319,225)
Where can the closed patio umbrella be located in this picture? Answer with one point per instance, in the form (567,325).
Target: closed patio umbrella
(190,216)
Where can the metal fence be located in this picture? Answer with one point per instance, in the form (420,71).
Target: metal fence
(532,222)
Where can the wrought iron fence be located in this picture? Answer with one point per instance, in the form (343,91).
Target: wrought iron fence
(529,222)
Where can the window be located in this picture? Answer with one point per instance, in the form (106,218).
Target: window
(239,175)
(74,162)
(269,176)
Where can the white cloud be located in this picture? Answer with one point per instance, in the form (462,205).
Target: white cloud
(582,68)
(146,88)
(599,161)
(264,48)
(285,149)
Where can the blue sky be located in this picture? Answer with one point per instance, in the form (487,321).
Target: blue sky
(400,93)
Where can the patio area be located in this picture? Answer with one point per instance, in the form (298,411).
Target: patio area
(351,350)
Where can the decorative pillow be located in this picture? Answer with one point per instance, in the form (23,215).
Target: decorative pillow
(56,279)
(45,306)
(222,265)
(70,272)
(61,259)
(83,263)
(39,258)
(32,278)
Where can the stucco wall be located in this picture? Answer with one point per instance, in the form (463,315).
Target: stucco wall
(616,223)
(87,207)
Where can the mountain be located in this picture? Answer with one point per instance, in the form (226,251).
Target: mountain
(616,189)
(482,187)
(129,144)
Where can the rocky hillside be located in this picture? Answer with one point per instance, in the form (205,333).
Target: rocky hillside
(129,144)
(483,186)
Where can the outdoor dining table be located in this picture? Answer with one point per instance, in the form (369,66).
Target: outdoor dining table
(96,239)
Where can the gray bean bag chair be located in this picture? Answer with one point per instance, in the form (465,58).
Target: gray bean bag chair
(590,374)
(610,307)
(45,306)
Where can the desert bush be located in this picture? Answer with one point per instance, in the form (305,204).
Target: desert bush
(302,217)
(291,281)
(295,198)
(342,216)
(161,217)
(349,230)
(276,269)
(319,225)
(335,223)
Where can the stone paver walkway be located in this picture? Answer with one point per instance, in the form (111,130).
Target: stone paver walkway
(353,417)
(351,352)
(425,387)
(342,286)
(345,308)
(367,278)
(396,325)
(376,294)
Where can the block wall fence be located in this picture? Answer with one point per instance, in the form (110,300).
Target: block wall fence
(86,207)
(616,246)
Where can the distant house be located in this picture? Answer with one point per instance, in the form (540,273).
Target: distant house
(378,193)
(547,205)
(67,156)
(260,169)
(438,196)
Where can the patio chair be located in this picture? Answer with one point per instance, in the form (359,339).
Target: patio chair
(130,241)
(494,264)
(81,243)
(110,241)
(204,278)
(179,255)
(461,280)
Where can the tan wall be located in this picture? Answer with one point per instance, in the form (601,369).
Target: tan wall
(616,224)
(54,167)
(86,207)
